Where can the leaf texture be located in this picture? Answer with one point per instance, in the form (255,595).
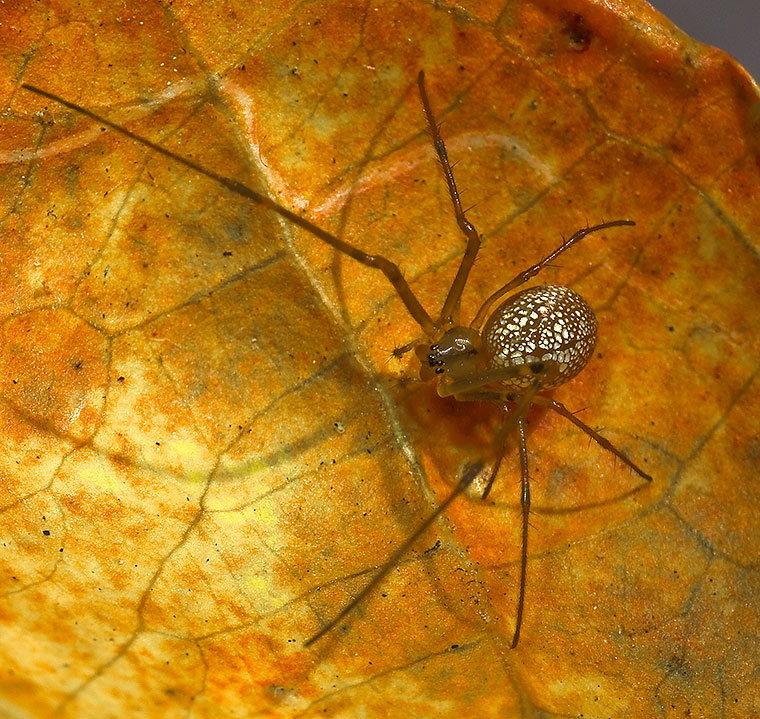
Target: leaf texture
(208,449)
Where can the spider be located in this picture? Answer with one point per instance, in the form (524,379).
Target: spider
(535,340)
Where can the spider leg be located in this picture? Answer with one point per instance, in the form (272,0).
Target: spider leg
(494,472)
(525,275)
(560,409)
(501,447)
(378,262)
(525,507)
(501,437)
(466,388)
(467,478)
(450,310)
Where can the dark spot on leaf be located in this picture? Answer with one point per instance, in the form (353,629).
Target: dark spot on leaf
(579,34)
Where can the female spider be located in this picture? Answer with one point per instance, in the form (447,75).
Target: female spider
(535,340)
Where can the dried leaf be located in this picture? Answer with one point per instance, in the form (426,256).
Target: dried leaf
(207,449)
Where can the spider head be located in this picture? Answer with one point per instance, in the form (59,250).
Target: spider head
(455,354)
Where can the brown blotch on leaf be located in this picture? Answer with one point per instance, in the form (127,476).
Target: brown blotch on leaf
(578,33)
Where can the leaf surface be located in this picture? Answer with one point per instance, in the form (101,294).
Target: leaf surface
(207,447)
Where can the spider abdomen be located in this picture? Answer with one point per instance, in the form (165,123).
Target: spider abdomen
(540,324)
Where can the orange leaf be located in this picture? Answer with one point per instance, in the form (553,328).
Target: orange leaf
(207,447)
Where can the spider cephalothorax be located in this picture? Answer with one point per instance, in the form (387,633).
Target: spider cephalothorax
(457,353)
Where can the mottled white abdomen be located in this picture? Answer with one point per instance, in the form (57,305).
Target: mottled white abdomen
(540,324)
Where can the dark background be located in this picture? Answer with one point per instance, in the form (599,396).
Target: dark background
(731,25)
